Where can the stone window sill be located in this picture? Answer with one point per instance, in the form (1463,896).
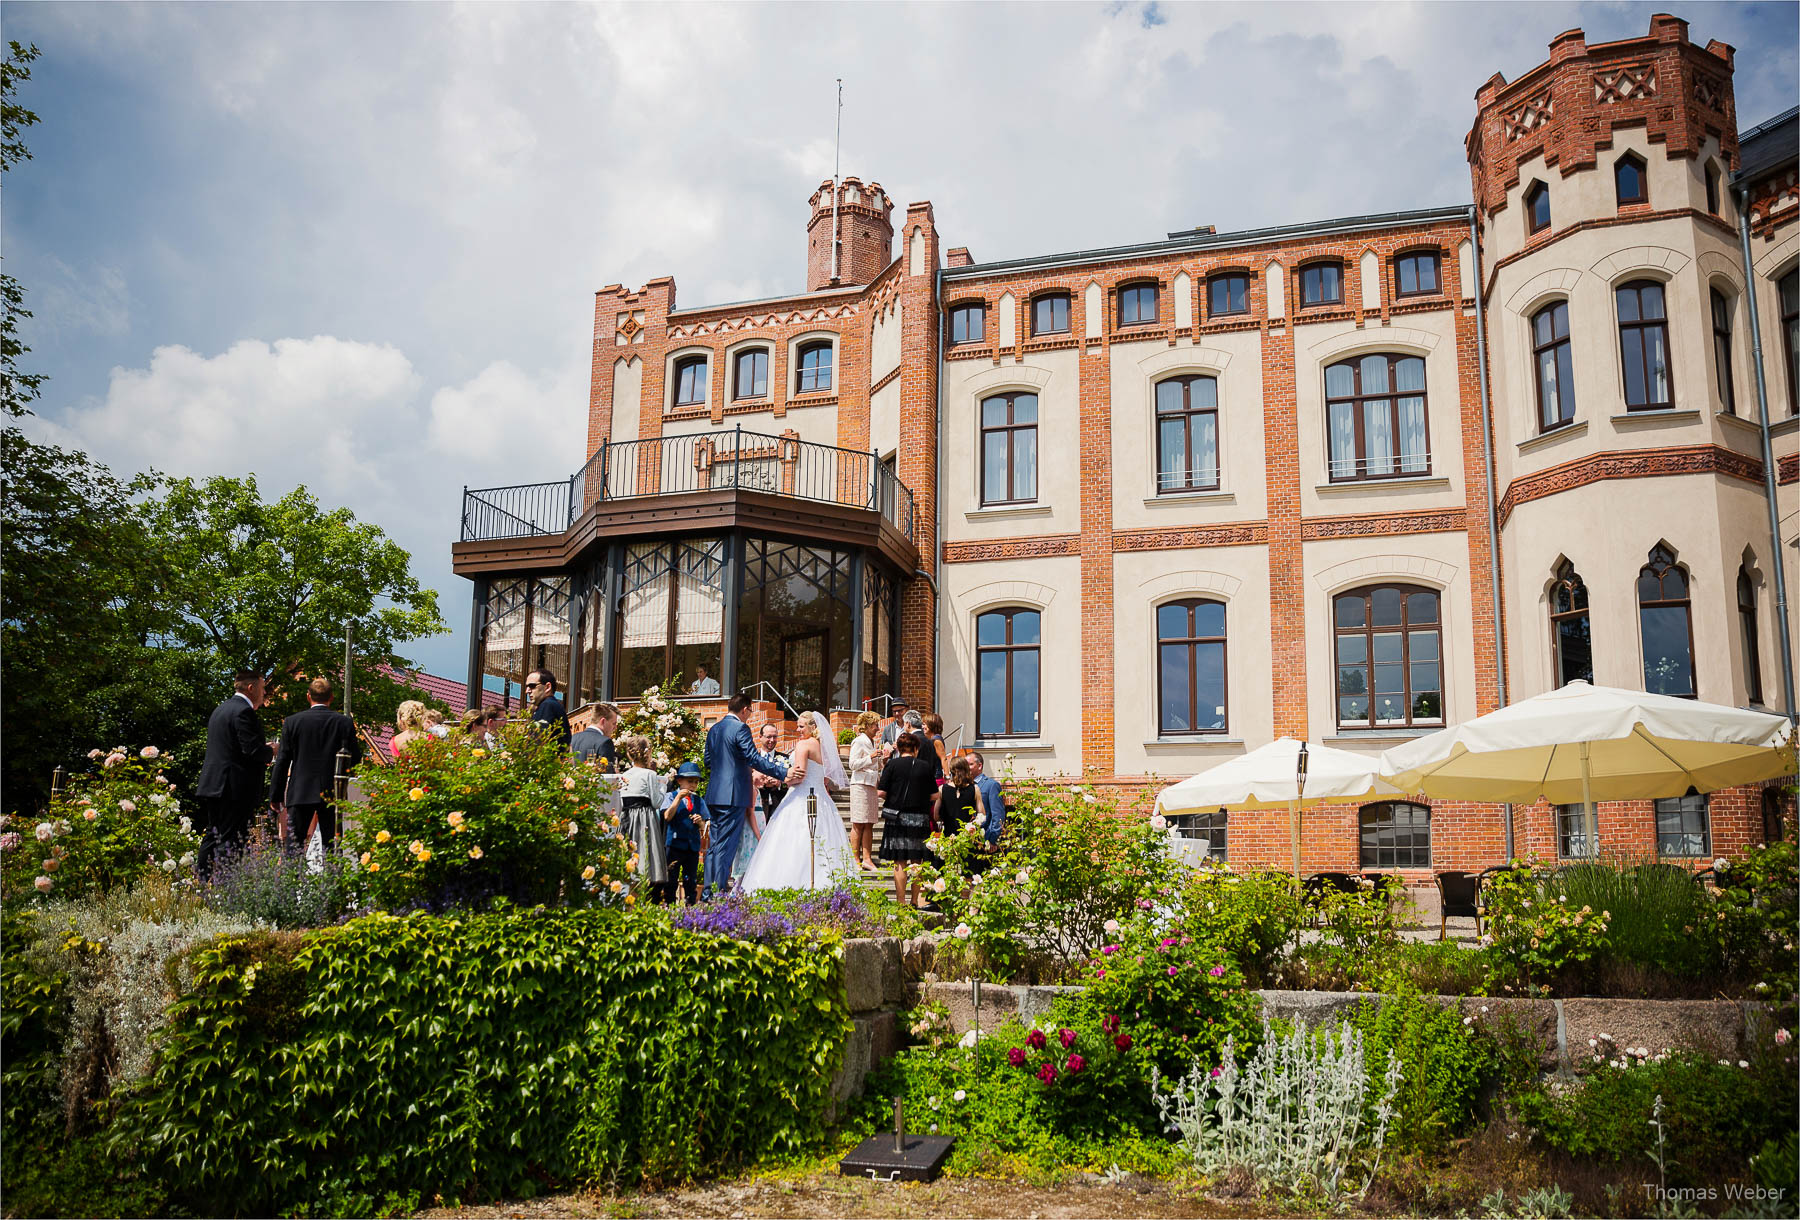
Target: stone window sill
(1188,743)
(1191,497)
(1546,439)
(1679,415)
(1355,735)
(1016,745)
(1365,486)
(1007,510)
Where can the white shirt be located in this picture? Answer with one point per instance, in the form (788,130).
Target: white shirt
(704,686)
(246,698)
(865,760)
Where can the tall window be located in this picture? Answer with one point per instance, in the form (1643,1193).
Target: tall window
(1228,294)
(1665,625)
(690,381)
(1683,826)
(1137,304)
(1190,666)
(1389,672)
(1630,180)
(814,371)
(1721,320)
(1644,346)
(1187,434)
(968,322)
(1375,409)
(1006,657)
(1009,449)
(1746,598)
(1789,290)
(671,614)
(750,374)
(1415,274)
(1537,208)
(1569,626)
(1395,834)
(1571,832)
(1322,284)
(1555,369)
(1712,189)
(1050,314)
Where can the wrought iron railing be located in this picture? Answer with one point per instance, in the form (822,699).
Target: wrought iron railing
(727,459)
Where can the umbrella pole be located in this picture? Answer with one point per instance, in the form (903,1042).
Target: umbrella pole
(1587,806)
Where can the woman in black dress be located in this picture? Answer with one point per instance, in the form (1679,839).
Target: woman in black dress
(958,800)
(908,793)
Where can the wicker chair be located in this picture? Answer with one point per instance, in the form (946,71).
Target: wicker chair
(1459,894)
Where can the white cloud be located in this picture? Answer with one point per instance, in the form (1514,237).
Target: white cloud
(505,426)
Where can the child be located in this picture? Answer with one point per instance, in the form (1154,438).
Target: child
(640,793)
(685,822)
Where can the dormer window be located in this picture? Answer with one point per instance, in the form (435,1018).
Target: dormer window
(1630,180)
(812,371)
(1537,208)
(1322,284)
(750,374)
(968,322)
(1416,274)
(1050,314)
(690,381)
(1137,304)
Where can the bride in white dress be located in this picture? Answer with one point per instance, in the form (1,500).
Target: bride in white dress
(788,858)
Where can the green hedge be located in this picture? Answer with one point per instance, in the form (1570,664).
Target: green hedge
(485,1056)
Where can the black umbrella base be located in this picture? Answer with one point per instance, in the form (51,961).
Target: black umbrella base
(920,1158)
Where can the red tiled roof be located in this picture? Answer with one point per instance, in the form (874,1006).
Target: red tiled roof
(448,690)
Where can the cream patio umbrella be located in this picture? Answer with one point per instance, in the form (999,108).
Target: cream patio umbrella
(1583,743)
(1285,774)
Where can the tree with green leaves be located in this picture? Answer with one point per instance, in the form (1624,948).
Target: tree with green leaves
(17,389)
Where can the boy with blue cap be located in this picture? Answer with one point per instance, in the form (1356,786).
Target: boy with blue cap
(686,821)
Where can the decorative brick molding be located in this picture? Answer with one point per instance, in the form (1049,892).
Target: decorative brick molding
(1787,470)
(1043,547)
(1633,464)
(1381,525)
(1242,533)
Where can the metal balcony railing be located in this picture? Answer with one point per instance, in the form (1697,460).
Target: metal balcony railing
(729,459)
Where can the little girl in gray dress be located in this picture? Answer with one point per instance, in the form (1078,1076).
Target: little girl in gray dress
(640,799)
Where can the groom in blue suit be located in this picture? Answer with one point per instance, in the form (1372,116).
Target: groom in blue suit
(730,756)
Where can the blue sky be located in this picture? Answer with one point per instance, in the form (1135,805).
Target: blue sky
(354,246)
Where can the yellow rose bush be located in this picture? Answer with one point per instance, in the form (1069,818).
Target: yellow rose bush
(453,825)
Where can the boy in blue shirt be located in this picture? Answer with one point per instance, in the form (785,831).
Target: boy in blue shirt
(686,821)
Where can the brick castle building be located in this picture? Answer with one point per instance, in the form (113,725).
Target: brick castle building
(1125,513)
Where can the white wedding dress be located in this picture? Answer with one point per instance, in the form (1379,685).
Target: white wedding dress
(788,857)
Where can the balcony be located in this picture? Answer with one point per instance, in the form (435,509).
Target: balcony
(719,480)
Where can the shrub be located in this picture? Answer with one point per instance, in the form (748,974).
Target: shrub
(452,824)
(1256,915)
(266,883)
(1303,1115)
(1758,919)
(1444,1062)
(1536,940)
(484,1056)
(672,727)
(107,829)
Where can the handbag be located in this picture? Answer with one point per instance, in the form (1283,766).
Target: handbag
(907,824)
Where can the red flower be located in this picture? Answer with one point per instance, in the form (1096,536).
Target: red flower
(1123,1042)
(1111,1023)
(1066,1037)
(1075,1064)
(1035,1039)
(1047,1074)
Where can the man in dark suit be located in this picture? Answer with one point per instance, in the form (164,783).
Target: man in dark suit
(231,778)
(595,743)
(306,766)
(540,685)
(730,756)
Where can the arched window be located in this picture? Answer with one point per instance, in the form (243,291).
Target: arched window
(1712,188)
(1228,293)
(1789,291)
(750,374)
(1416,274)
(690,381)
(1009,449)
(1006,658)
(1537,208)
(1746,599)
(1187,434)
(1322,284)
(1395,834)
(968,322)
(1683,826)
(1389,667)
(1569,627)
(1050,314)
(1555,368)
(1665,625)
(1630,181)
(1721,320)
(1190,666)
(1137,304)
(1644,346)
(813,371)
(1375,418)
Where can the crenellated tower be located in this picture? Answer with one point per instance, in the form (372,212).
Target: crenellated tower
(865,234)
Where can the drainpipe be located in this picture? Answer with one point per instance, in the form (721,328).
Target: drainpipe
(1493,507)
(1768,459)
(937,502)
